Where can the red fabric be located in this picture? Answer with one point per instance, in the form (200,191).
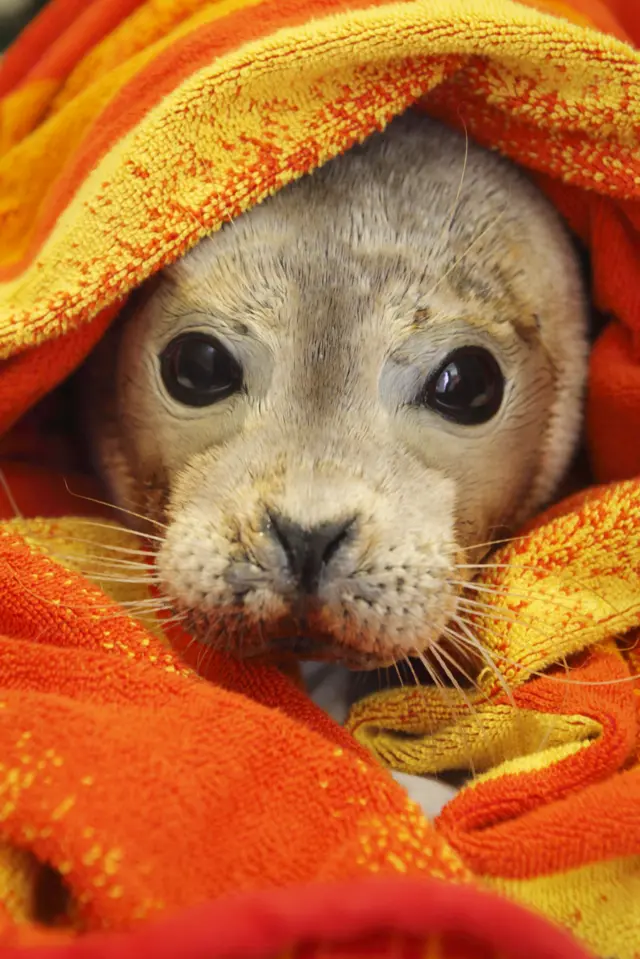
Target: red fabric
(28,377)
(376,918)
(391,917)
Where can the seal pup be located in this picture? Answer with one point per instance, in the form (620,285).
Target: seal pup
(336,399)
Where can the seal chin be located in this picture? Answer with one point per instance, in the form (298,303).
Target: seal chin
(308,649)
(305,630)
(331,649)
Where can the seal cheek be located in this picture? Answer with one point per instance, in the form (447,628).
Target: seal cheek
(390,609)
(192,562)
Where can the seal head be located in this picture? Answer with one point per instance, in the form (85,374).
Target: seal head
(335,400)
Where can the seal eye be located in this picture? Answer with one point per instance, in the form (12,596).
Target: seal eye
(467,388)
(197,370)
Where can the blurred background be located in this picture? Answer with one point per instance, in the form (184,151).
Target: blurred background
(14,14)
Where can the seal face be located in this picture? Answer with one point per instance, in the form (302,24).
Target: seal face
(334,401)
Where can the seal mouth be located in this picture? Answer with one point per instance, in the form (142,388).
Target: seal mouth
(394,672)
(305,634)
(310,649)
(306,647)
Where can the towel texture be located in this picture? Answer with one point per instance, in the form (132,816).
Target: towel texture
(139,778)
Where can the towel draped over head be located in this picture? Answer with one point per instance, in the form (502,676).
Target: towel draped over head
(139,779)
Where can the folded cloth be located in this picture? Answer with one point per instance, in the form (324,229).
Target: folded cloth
(139,778)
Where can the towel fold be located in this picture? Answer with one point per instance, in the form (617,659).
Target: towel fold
(140,779)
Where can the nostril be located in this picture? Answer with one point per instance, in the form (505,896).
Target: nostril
(335,535)
(309,549)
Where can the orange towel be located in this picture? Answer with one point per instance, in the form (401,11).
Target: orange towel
(130,785)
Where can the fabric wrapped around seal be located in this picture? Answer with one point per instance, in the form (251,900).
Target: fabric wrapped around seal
(132,788)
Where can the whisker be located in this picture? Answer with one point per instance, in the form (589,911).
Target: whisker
(506,592)
(4,483)
(436,651)
(202,652)
(553,718)
(113,527)
(446,694)
(125,580)
(555,574)
(431,672)
(457,260)
(400,680)
(110,609)
(120,509)
(172,620)
(122,612)
(487,657)
(437,680)
(500,542)
(152,601)
(97,560)
(542,674)
(486,611)
(211,651)
(105,613)
(464,170)
(433,675)
(473,682)
(416,681)
(106,546)
(185,652)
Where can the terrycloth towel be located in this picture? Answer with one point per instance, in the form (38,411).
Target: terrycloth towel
(138,781)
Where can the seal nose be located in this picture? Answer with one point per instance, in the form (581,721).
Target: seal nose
(309,550)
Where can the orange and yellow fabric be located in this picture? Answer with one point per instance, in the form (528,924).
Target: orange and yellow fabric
(135,787)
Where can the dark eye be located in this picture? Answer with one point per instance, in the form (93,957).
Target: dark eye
(198,371)
(467,388)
